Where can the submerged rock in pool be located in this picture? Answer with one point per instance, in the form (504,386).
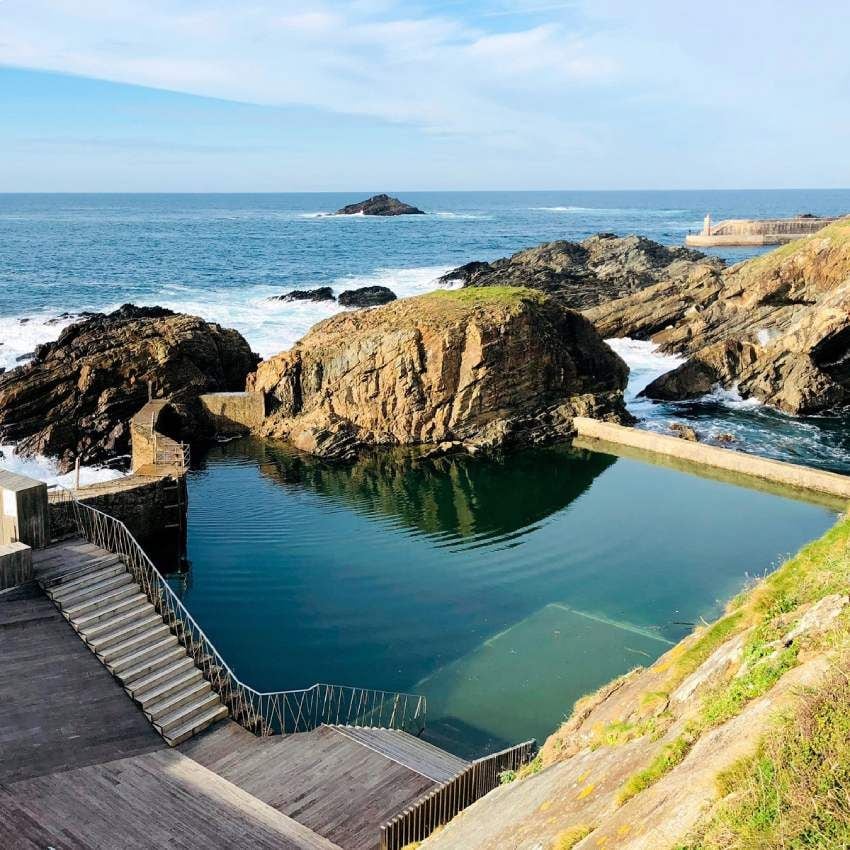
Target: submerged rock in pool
(489,367)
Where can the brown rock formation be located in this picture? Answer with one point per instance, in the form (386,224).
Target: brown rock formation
(590,274)
(76,397)
(489,367)
(778,328)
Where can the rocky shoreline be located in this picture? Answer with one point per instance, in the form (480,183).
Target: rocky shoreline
(505,360)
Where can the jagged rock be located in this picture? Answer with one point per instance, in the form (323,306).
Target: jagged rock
(593,272)
(715,365)
(366,296)
(490,368)
(75,398)
(778,330)
(819,618)
(321,293)
(380,205)
(685,432)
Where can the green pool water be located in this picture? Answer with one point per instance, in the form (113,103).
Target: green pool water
(502,590)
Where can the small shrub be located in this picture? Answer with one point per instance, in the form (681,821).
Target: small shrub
(568,839)
(665,761)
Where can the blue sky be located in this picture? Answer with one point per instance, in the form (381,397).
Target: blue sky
(273,95)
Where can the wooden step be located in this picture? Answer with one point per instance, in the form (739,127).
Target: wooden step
(102,616)
(190,693)
(113,655)
(165,688)
(142,687)
(196,725)
(121,628)
(98,603)
(186,713)
(87,591)
(90,576)
(50,577)
(129,676)
(149,654)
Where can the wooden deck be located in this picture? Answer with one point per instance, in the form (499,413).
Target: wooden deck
(324,779)
(81,767)
(59,707)
(161,799)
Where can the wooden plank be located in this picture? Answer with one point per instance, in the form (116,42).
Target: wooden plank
(160,799)
(325,780)
(407,750)
(59,707)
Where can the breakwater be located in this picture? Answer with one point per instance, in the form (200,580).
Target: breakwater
(743,232)
(829,486)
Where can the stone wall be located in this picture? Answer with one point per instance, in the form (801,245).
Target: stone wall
(234,413)
(802,478)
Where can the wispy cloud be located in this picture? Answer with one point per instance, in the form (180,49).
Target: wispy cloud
(434,70)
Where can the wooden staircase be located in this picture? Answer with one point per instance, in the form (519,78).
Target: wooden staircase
(99,597)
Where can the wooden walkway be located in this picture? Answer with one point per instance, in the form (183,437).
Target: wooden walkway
(325,779)
(161,799)
(59,707)
(81,767)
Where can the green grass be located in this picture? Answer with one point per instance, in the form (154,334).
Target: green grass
(489,294)
(794,792)
(672,754)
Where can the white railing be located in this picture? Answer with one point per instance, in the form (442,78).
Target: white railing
(280,712)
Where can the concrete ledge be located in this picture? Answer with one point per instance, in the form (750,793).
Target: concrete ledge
(15,565)
(800,478)
(234,413)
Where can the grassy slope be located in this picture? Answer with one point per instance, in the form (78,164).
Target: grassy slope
(795,791)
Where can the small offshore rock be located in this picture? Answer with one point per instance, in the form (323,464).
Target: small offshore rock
(23,357)
(685,432)
(321,293)
(726,438)
(380,205)
(367,296)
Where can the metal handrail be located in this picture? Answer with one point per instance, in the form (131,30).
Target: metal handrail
(448,799)
(264,713)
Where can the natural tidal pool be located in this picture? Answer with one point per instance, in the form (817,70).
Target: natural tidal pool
(503,590)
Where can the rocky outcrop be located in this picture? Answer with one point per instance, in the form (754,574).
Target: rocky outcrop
(487,367)
(321,293)
(587,274)
(366,296)
(380,205)
(75,398)
(778,330)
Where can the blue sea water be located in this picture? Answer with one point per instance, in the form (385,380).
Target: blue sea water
(501,589)
(223,256)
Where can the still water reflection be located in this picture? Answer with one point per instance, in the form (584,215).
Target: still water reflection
(503,590)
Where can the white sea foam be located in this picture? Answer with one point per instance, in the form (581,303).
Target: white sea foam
(645,362)
(20,339)
(45,469)
(269,326)
(609,210)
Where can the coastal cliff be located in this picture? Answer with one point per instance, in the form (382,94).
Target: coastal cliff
(737,737)
(778,329)
(76,397)
(483,367)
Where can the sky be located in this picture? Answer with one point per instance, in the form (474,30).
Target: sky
(377,95)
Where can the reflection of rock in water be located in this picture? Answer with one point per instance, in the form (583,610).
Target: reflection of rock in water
(456,496)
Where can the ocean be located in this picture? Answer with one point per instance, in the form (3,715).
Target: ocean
(224,257)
